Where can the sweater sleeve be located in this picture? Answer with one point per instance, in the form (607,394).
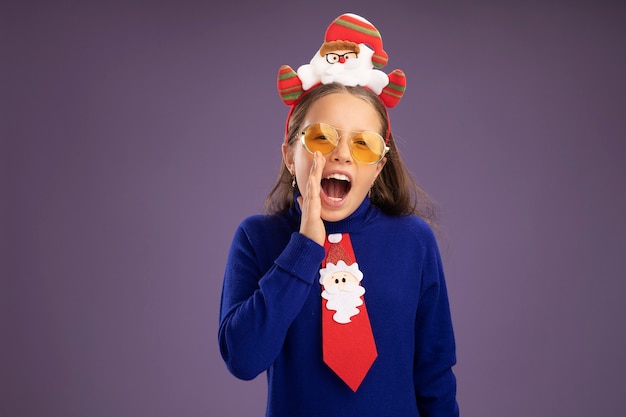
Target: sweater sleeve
(435,383)
(258,306)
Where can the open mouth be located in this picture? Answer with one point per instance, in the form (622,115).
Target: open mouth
(336,186)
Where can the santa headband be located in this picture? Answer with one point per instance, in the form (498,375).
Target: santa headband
(351,54)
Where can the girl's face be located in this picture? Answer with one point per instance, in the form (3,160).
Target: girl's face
(345,180)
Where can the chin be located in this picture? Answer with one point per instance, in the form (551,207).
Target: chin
(335,215)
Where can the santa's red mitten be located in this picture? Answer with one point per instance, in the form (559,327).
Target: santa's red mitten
(394,91)
(289,85)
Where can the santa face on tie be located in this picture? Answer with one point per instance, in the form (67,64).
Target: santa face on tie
(342,290)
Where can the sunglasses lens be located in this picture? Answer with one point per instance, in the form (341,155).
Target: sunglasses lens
(368,147)
(320,137)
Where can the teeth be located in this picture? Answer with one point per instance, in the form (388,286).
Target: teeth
(338,177)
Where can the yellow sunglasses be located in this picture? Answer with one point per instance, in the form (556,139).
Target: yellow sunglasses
(367,147)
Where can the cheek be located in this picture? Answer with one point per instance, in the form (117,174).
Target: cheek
(367,178)
(302,163)
(329,280)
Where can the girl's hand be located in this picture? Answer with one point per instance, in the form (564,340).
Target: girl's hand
(310,202)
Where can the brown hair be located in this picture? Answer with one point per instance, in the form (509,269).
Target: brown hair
(394,192)
(331,46)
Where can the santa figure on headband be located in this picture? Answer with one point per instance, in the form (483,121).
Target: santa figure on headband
(351,54)
(347,56)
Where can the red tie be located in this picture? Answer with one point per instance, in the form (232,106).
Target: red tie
(347,339)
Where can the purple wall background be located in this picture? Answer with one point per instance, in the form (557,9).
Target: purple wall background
(137,135)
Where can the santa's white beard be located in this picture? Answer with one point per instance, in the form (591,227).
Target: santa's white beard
(354,72)
(344,302)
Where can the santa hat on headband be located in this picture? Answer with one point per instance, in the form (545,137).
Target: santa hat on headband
(347,33)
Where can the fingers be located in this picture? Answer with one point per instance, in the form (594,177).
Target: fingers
(315,177)
(310,203)
(318,167)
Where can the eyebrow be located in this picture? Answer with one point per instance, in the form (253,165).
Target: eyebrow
(377,131)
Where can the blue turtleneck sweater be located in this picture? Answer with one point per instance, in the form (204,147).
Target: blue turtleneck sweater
(270,317)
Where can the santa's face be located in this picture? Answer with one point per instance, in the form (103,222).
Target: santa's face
(344,66)
(343,294)
(345,181)
(339,279)
(342,59)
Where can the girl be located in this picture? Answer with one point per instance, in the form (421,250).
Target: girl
(338,292)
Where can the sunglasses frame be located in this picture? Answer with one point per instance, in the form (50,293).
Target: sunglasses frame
(353,134)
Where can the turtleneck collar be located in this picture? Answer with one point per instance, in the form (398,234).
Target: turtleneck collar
(365,213)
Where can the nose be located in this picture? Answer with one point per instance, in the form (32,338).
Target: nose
(342,152)
(342,59)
